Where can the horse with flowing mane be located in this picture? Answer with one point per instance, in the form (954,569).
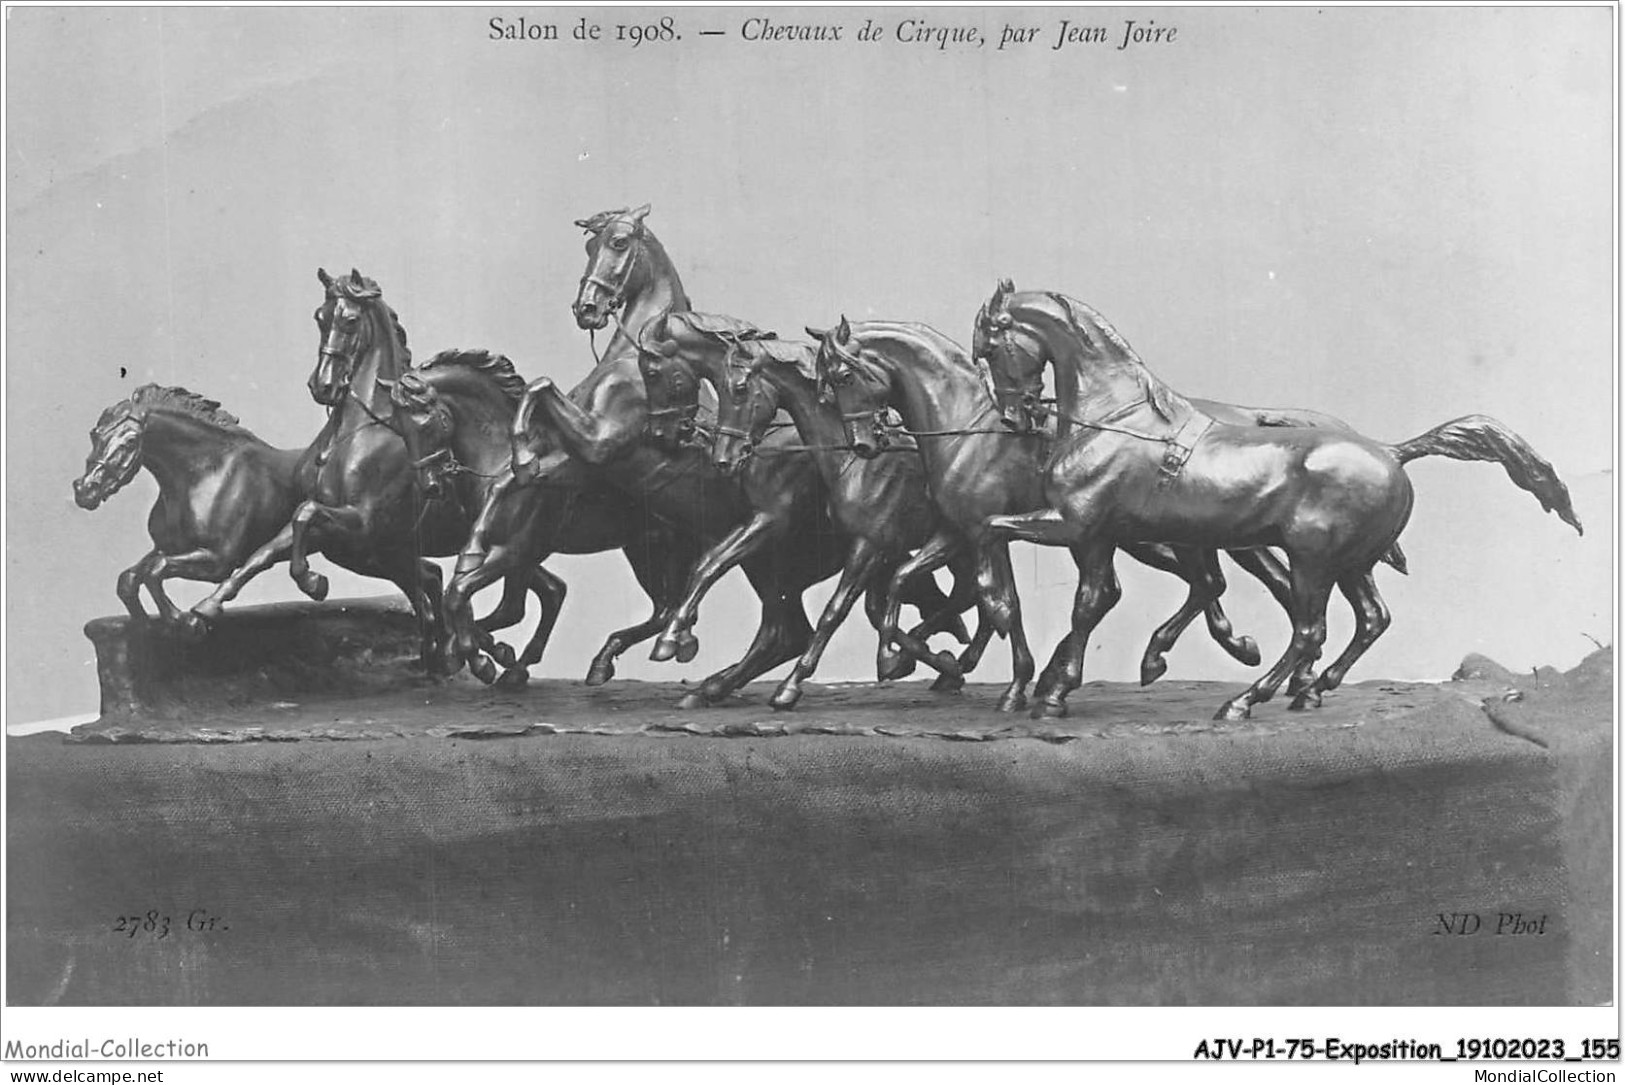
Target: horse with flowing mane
(222,491)
(360,506)
(788,493)
(1144,463)
(454,413)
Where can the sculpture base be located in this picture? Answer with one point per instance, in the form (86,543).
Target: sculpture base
(1403,845)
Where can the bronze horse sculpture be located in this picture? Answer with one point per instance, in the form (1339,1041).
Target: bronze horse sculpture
(360,506)
(1023,410)
(603,423)
(882,502)
(454,413)
(222,491)
(977,468)
(678,353)
(1144,463)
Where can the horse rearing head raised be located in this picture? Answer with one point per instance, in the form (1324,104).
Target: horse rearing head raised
(1015,362)
(341,321)
(115,453)
(861,389)
(614,244)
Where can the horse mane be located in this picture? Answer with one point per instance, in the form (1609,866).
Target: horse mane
(364,289)
(182,401)
(1097,331)
(494,367)
(723,328)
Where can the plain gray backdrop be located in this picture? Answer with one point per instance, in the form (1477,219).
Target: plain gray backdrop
(1395,215)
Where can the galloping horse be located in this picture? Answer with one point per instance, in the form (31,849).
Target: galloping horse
(1144,463)
(603,422)
(788,494)
(361,508)
(1022,410)
(221,490)
(454,413)
(882,503)
(976,466)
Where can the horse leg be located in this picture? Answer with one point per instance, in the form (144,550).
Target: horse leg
(661,580)
(1098,591)
(500,563)
(783,635)
(1200,571)
(937,611)
(199,564)
(1310,589)
(998,581)
(130,581)
(937,552)
(738,544)
(862,564)
(874,608)
(1371,620)
(550,592)
(420,580)
(260,560)
(312,584)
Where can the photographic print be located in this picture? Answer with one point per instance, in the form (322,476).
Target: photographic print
(817,507)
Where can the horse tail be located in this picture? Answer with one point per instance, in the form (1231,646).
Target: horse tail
(1479,437)
(1395,557)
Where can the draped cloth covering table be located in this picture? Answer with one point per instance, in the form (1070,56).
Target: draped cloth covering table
(317,826)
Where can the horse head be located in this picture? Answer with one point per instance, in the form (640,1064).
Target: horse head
(350,323)
(1014,359)
(746,406)
(615,242)
(861,388)
(426,425)
(115,452)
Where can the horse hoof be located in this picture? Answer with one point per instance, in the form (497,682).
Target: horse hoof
(1246,652)
(503,654)
(313,585)
(1012,702)
(688,646)
(784,698)
(483,669)
(193,625)
(693,700)
(947,664)
(1151,669)
(1234,711)
(514,678)
(889,662)
(948,683)
(600,672)
(898,666)
(665,648)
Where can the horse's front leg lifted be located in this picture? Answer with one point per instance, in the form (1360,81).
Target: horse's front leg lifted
(259,561)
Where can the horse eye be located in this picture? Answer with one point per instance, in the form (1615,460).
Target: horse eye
(618,244)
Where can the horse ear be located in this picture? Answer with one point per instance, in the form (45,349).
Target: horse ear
(1000,292)
(843,331)
(324,278)
(640,214)
(1007,286)
(816,333)
(355,278)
